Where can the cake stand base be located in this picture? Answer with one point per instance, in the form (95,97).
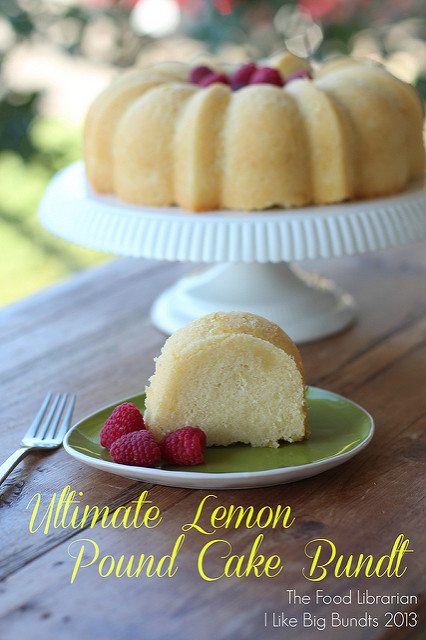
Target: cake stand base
(306,305)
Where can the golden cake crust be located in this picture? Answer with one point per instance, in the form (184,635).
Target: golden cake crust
(234,322)
(352,131)
(235,375)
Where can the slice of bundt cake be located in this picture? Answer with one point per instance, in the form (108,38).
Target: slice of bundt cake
(235,375)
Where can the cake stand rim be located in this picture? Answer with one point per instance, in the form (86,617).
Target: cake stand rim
(70,209)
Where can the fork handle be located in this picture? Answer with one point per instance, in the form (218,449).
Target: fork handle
(12,461)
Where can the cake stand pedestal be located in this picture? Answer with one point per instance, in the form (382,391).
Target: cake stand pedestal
(306,305)
(253,253)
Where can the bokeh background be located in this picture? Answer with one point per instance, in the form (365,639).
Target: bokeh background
(56,55)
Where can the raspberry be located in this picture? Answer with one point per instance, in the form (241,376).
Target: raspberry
(303,73)
(266,75)
(138,449)
(124,419)
(211,78)
(184,446)
(197,73)
(241,77)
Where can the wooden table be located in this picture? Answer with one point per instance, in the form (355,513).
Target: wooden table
(92,335)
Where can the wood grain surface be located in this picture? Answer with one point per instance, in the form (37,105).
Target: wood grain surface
(92,335)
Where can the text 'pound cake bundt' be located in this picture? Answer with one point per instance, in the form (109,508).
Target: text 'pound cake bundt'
(235,375)
(255,137)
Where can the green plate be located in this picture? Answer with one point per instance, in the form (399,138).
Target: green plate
(339,430)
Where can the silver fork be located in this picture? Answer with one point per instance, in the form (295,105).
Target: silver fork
(47,430)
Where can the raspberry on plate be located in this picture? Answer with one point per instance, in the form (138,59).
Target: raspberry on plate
(184,446)
(124,419)
(138,449)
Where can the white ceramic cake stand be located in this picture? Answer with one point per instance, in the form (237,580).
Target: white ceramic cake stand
(253,252)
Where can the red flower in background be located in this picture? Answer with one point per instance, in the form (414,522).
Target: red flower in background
(332,10)
(225,7)
(318,8)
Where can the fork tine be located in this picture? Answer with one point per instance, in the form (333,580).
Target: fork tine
(31,441)
(65,425)
(48,418)
(52,426)
(39,417)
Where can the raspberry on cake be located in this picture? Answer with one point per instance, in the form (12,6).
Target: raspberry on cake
(276,134)
(236,376)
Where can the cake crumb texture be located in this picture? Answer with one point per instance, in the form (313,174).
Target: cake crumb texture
(235,375)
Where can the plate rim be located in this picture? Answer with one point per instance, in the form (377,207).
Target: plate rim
(209,479)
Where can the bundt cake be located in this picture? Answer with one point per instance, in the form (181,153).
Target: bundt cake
(235,375)
(209,138)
